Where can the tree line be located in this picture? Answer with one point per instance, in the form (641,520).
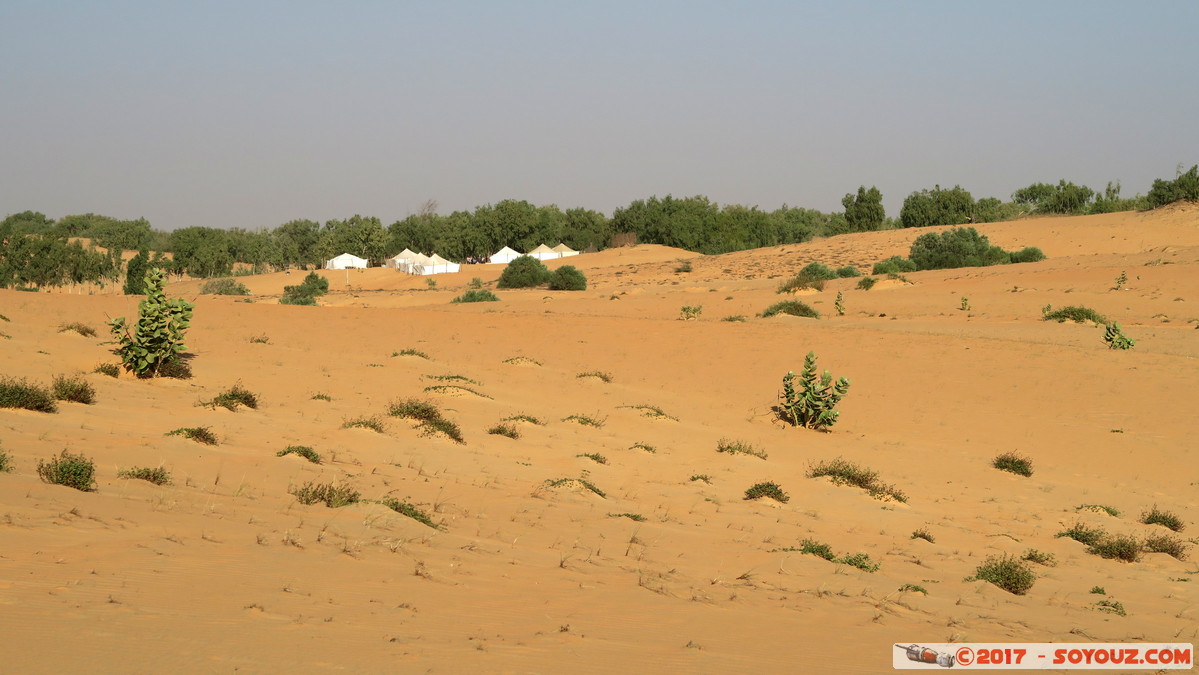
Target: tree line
(37,250)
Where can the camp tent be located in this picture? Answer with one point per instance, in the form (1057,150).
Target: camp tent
(345,261)
(503,256)
(400,261)
(564,251)
(440,265)
(543,252)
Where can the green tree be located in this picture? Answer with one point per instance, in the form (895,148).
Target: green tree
(524,272)
(202,251)
(1063,198)
(156,340)
(959,247)
(937,206)
(135,273)
(362,236)
(864,212)
(1184,186)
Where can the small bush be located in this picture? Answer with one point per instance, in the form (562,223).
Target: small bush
(643,447)
(224,287)
(567,278)
(848,272)
(428,417)
(771,490)
(406,509)
(1076,314)
(321,397)
(914,588)
(690,312)
(636,517)
(332,496)
(959,247)
(301,450)
(792,307)
(295,295)
(198,434)
(260,340)
(476,295)
(1164,543)
(1120,547)
(585,420)
(524,272)
(1008,573)
(372,423)
(75,389)
(1084,534)
(735,318)
(75,471)
(411,352)
(524,418)
(1109,510)
(81,328)
(866,283)
(894,265)
(1013,463)
(1040,557)
(684,268)
(5,462)
(581,481)
(109,369)
(158,476)
(1112,606)
(1098,590)
(814,404)
(1028,254)
(24,395)
(844,472)
(818,549)
(606,377)
(811,276)
(739,448)
(475,283)
(233,397)
(594,456)
(923,534)
(1116,339)
(701,477)
(861,561)
(1167,519)
(505,430)
(175,368)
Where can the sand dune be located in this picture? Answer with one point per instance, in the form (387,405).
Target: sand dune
(224,570)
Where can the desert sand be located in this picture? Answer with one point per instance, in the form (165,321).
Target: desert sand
(224,571)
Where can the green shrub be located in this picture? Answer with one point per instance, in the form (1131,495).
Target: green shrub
(812,275)
(320,397)
(306,293)
(814,404)
(428,417)
(1008,573)
(792,307)
(224,287)
(1098,590)
(332,496)
(683,268)
(1109,510)
(22,394)
(848,272)
(475,283)
(505,430)
(594,456)
(406,509)
(1076,314)
(109,369)
(739,448)
(157,338)
(581,481)
(644,448)
(524,418)
(896,264)
(771,490)
(1084,534)
(476,295)
(585,420)
(690,312)
(158,476)
(198,434)
(75,471)
(1027,254)
(866,283)
(1112,606)
(524,272)
(372,423)
(1040,557)
(567,278)
(303,451)
(701,477)
(1166,519)
(844,472)
(81,328)
(600,375)
(959,247)
(5,462)
(74,389)
(235,396)
(861,561)
(818,549)
(1013,463)
(635,517)
(1120,547)
(735,318)
(1164,543)
(923,534)
(411,352)
(175,368)
(1116,339)
(1184,186)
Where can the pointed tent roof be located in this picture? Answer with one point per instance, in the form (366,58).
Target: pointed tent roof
(506,251)
(541,248)
(436,260)
(419,259)
(563,248)
(404,255)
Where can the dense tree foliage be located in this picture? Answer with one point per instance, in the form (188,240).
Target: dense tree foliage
(1184,186)
(32,256)
(937,206)
(864,212)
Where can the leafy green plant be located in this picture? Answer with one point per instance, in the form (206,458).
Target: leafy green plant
(524,272)
(224,287)
(839,304)
(505,430)
(156,340)
(818,549)
(965,306)
(567,278)
(843,472)
(431,283)
(81,328)
(305,293)
(1121,280)
(1168,519)
(923,534)
(1164,543)
(701,477)
(585,420)
(594,456)
(1075,313)
(1083,534)
(332,496)
(814,404)
(896,264)
(5,462)
(25,395)
(1013,463)
(373,423)
(636,517)
(1040,557)
(915,588)
(1098,590)
(861,561)
(1009,573)
(198,434)
(812,276)
(233,397)
(74,471)
(303,451)
(320,397)
(792,307)
(739,448)
(157,476)
(75,389)
(1120,547)
(866,283)
(690,312)
(410,510)
(1116,339)
(771,490)
(1111,606)
(475,283)
(606,377)
(428,418)
(476,295)
(260,340)
(848,272)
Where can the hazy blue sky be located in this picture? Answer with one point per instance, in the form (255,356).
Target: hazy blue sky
(251,113)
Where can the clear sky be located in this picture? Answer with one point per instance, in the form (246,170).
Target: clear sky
(251,113)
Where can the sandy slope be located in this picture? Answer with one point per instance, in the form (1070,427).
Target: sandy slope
(224,571)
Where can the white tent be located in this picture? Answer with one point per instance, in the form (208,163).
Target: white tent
(416,264)
(564,251)
(433,264)
(543,252)
(503,256)
(345,261)
(400,261)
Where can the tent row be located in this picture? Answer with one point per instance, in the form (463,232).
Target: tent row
(506,255)
(416,263)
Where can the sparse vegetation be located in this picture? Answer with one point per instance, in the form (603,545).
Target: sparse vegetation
(522,361)
(411,352)
(524,418)
(739,448)
(701,477)
(771,490)
(1116,339)
(814,404)
(792,307)
(843,472)
(735,318)
(5,462)
(1120,547)
(321,397)
(306,293)
(1168,519)
(642,446)
(866,283)
(1164,543)
(332,496)
(224,287)
(454,389)
(74,389)
(25,395)
(636,517)
(690,313)
(913,588)
(507,430)
(428,417)
(923,534)
(965,306)
(651,411)
(1075,313)
(1111,606)
(606,377)
(74,471)
(585,420)
(198,434)
(839,304)
(1009,573)
(1109,510)
(476,295)
(683,268)
(157,476)
(406,509)
(1083,533)
(81,328)
(560,482)
(861,561)
(816,548)
(373,423)
(155,345)
(233,397)
(894,265)
(812,276)
(594,456)
(1098,590)
(1121,280)
(260,340)
(303,451)
(1013,463)
(1040,557)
